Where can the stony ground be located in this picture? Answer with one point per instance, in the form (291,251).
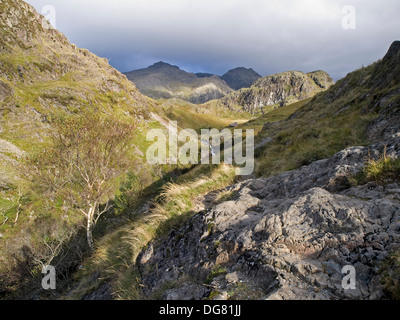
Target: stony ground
(285,237)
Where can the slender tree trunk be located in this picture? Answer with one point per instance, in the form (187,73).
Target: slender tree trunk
(89,234)
(89,227)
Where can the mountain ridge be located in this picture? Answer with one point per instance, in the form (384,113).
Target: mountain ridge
(165,81)
(238,87)
(278,90)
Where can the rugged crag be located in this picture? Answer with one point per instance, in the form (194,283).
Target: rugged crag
(278,89)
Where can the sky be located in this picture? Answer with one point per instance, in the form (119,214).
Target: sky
(214,36)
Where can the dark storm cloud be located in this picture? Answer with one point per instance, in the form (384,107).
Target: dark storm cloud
(217,35)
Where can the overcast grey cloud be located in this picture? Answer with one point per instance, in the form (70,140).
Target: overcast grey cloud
(217,35)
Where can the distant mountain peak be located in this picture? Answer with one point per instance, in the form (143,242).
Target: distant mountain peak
(163,80)
(162,64)
(241,69)
(240,77)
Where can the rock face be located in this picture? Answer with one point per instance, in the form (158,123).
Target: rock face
(162,80)
(240,78)
(285,237)
(321,79)
(278,89)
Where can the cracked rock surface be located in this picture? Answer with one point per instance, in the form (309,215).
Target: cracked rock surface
(284,237)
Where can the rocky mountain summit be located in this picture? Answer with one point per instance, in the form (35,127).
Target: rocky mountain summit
(162,80)
(290,236)
(239,78)
(278,89)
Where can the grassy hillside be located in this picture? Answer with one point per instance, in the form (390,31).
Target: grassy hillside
(198,117)
(42,74)
(323,125)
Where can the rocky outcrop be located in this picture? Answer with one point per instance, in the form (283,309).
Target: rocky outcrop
(321,79)
(164,81)
(278,89)
(285,237)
